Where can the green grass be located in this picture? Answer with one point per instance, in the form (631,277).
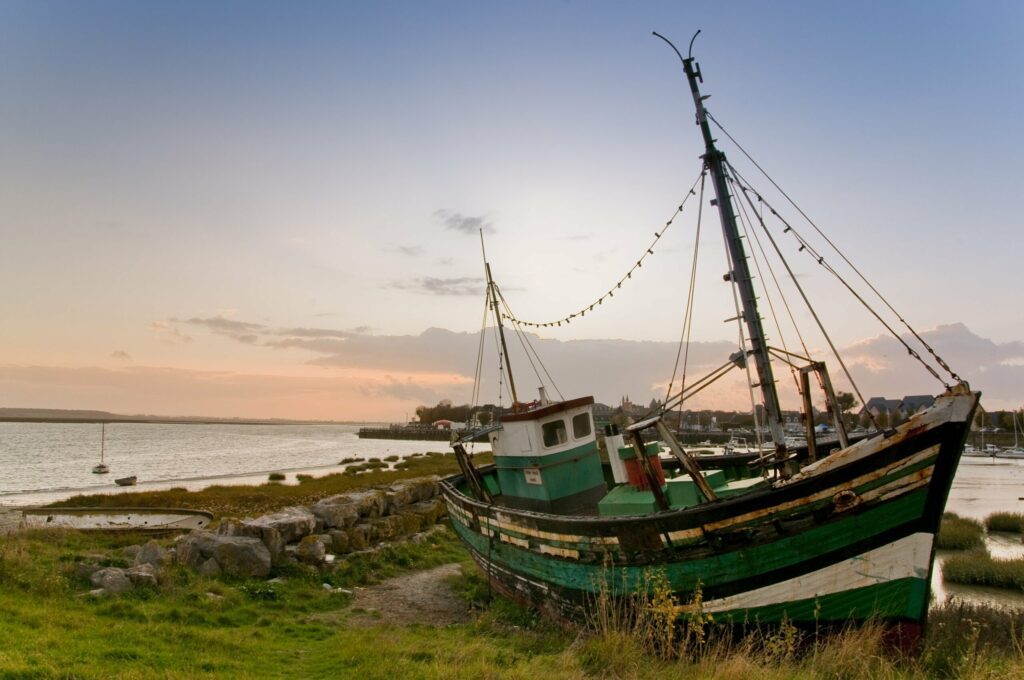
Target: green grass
(959,533)
(194,626)
(250,501)
(978,568)
(1005,521)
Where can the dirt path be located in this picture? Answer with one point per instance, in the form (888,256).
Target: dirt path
(423,597)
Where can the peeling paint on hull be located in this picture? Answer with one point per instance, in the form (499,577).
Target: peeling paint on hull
(849,538)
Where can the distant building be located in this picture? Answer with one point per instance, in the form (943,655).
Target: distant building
(914,403)
(879,405)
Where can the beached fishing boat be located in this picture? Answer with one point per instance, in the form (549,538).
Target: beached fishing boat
(815,535)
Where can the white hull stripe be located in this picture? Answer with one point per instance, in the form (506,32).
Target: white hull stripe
(906,558)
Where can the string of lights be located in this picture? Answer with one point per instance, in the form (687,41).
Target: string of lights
(649,251)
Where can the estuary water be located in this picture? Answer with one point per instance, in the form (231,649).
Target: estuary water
(42,462)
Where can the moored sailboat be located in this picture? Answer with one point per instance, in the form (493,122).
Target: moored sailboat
(803,534)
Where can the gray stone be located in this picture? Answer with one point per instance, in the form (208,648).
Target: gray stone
(130,551)
(154,554)
(369,503)
(291,523)
(357,537)
(86,570)
(336,512)
(386,528)
(236,555)
(142,575)
(112,580)
(209,568)
(311,550)
(268,535)
(339,540)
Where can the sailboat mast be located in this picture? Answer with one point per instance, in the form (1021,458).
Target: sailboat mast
(740,274)
(492,296)
(103,440)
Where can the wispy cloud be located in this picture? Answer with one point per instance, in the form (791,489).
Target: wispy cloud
(168,333)
(120,355)
(409,251)
(434,286)
(466,224)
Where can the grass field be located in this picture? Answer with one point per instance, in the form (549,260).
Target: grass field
(194,626)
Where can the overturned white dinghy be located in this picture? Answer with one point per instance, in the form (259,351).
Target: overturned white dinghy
(115,519)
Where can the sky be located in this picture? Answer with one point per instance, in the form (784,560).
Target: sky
(269,209)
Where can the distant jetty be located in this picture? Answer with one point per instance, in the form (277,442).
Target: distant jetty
(411,432)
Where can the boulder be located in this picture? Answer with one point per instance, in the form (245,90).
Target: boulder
(86,570)
(369,503)
(131,551)
(357,537)
(387,527)
(111,580)
(339,541)
(311,549)
(268,535)
(431,510)
(209,568)
(291,523)
(142,575)
(152,553)
(235,555)
(336,512)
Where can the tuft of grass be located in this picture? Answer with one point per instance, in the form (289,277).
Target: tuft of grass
(353,459)
(1005,521)
(978,568)
(960,533)
(275,477)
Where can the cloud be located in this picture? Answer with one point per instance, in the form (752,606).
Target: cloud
(611,369)
(464,223)
(168,333)
(410,251)
(120,355)
(465,285)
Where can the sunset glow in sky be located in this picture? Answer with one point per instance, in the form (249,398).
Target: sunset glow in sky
(262,209)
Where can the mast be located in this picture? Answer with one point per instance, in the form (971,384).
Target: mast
(492,297)
(103,440)
(740,273)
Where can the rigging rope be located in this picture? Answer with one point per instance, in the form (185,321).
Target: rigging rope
(800,289)
(850,264)
(629,275)
(524,340)
(805,246)
(684,336)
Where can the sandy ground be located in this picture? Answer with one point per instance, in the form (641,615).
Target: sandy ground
(422,597)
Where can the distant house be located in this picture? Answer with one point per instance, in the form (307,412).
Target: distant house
(879,405)
(914,403)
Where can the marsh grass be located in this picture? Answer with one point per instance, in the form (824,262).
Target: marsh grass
(959,533)
(249,501)
(1005,521)
(978,568)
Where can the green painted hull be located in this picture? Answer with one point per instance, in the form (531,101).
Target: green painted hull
(851,538)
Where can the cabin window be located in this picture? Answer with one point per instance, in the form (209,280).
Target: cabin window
(554,433)
(581,425)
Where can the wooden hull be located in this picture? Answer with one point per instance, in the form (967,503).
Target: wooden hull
(849,538)
(114,519)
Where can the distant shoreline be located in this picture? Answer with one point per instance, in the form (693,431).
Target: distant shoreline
(33,415)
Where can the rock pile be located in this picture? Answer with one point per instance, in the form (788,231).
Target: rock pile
(147,570)
(332,526)
(250,548)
